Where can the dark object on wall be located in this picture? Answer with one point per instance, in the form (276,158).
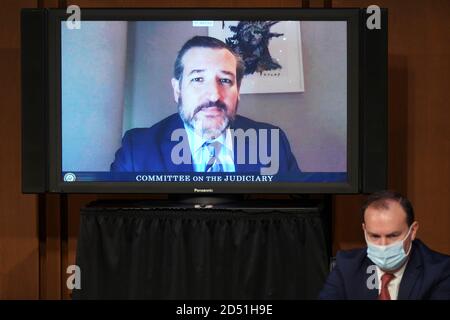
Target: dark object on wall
(167,253)
(251,42)
(34,101)
(42,110)
(374,103)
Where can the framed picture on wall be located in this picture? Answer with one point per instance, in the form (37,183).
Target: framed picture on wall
(271,51)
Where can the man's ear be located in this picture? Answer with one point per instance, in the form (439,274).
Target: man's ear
(176,89)
(363,226)
(414,228)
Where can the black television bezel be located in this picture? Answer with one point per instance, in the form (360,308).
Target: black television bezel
(353,18)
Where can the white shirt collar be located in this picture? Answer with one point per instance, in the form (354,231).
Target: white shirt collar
(196,141)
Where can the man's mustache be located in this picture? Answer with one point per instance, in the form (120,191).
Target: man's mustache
(218,104)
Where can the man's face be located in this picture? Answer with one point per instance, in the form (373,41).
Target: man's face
(386,226)
(208,94)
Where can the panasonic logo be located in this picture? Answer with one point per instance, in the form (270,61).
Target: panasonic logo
(203,190)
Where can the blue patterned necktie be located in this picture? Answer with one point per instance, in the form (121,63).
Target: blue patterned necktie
(213,164)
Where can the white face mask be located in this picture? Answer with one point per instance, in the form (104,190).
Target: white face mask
(389,257)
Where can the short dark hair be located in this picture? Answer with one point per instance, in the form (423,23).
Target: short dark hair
(207,42)
(380,200)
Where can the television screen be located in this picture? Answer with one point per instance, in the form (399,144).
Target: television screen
(199,101)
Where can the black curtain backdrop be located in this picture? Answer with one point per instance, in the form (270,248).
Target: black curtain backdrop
(174,253)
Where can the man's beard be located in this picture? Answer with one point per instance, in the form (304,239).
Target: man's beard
(207,128)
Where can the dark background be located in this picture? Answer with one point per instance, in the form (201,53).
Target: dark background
(37,243)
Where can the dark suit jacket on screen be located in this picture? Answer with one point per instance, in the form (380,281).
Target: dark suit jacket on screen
(426,276)
(149,149)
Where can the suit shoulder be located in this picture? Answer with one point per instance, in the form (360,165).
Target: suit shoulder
(351,257)
(432,258)
(156,130)
(242,122)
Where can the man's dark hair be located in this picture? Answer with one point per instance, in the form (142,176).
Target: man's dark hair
(381,199)
(207,42)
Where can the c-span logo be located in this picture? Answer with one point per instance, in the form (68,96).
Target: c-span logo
(70,177)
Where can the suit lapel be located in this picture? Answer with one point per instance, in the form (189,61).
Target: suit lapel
(362,291)
(245,167)
(168,145)
(410,277)
(239,167)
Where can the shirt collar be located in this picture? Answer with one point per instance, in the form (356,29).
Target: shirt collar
(398,274)
(196,142)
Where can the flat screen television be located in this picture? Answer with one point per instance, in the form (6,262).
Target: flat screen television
(202,101)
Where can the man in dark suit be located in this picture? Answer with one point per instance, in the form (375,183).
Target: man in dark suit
(206,135)
(395,265)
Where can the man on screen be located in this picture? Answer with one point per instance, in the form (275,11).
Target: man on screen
(206,135)
(395,265)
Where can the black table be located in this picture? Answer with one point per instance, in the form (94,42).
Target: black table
(163,250)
